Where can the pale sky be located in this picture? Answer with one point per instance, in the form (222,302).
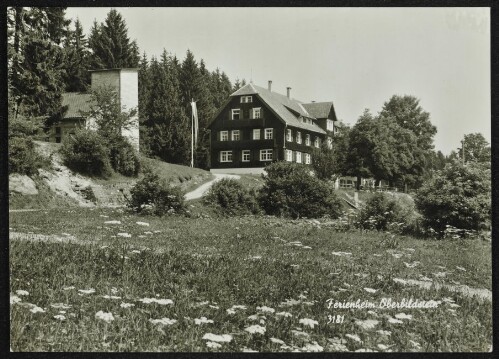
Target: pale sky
(356,57)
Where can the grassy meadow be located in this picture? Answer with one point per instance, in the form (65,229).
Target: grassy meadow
(238,284)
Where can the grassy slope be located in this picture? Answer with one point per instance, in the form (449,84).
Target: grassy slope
(196,260)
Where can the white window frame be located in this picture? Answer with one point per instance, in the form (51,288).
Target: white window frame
(264,154)
(307,140)
(245,153)
(330,125)
(308,159)
(298,157)
(224,134)
(233,111)
(317,142)
(233,135)
(256,130)
(246,99)
(227,154)
(256,110)
(298,137)
(289,155)
(289,135)
(268,131)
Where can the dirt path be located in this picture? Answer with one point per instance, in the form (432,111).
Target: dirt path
(201,190)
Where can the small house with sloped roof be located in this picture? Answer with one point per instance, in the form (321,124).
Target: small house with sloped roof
(256,126)
(122,81)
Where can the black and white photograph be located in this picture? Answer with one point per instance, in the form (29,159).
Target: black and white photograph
(249,179)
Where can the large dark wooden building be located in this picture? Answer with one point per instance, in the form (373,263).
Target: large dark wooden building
(257,126)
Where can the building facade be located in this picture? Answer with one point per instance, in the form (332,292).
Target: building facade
(256,126)
(123,81)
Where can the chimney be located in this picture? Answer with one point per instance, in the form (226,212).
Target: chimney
(289,91)
(270,85)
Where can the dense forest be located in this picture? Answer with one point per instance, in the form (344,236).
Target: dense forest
(49,54)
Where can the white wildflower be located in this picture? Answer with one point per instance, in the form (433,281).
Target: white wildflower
(21,292)
(248,350)
(440,274)
(157,301)
(309,322)
(37,309)
(14,299)
(461,268)
(401,281)
(60,306)
(284,314)
(163,321)
(143,224)
(110,297)
(299,333)
(265,309)
(312,347)
(384,332)
(230,311)
(277,341)
(202,320)
(218,338)
(126,235)
(403,316)
(370,290)
(412,265)
(367,324)
(107,317)
(213,345)
(68,288)
(383,346)
(112,222)
(255,329)
(86,291)
(354,337)
(394,321)
(59,317)
(214,306)
(126,305)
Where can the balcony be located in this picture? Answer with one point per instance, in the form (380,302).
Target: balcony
(241,123)
(242,144)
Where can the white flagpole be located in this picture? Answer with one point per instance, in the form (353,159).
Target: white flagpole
(192,134)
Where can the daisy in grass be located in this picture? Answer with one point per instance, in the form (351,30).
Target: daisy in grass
(403,316)
(126,305)
(265,309)
(110,297)
(59,317)
(213,345)
(255,329)
(370,290)
(284,314)
(309,322)
(163,321)
(226,338)
(157,301)
(354,337)
(126,235)
(86,291)
(106,317)
(68,288)
(202,320)
(36,309)
(143,224)
(312,347)
(230,311)
(14,299)
(367,324)
(277,341)
(112,222)
(21,292)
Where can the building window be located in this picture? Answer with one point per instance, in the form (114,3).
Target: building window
(330,125)
(256,112)
(256,134)
(236,136)
(307,140)
(289,135)
(265,155)
(246,99)
(289,155)
(236,113)
(269,133)
(317,142)
(298,157)
(225,156)
(308,158)
(245,156)
(329,143)
(298,137)
(224,135)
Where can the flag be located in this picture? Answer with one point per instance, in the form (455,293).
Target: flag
(195,122)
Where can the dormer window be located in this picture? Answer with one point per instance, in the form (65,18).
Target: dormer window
(246,99)
(236,113)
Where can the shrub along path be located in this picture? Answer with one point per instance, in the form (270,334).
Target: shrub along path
(201,190)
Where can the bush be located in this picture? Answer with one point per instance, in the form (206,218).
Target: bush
(23,158)
(154,194)
(383,211)
(458,196)
(124,159)
(291,190)
(86,153)
(230,197)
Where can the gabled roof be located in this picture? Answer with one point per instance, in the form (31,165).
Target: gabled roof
(320,109)
(289,110)
(76,103)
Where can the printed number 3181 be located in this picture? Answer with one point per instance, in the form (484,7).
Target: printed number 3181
(335,319)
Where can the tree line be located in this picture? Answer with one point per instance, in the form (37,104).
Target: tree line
(48,55)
